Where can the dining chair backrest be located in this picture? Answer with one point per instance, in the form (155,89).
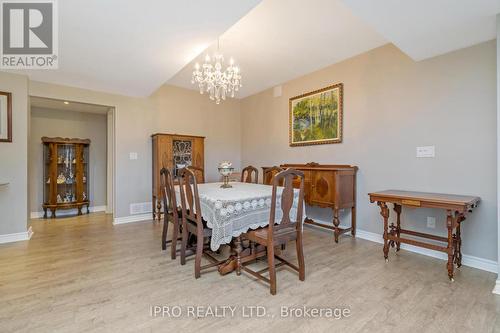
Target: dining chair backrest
(286,178)
(190,200)
(167,187)
(199,173)
(246,175)
(269,174)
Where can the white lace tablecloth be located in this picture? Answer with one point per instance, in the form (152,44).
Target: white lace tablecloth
(229,212)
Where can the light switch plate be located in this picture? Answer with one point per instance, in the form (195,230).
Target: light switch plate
(133,155)
(431,222)
(426,151)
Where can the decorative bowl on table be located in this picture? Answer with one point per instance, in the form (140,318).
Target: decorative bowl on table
(226,169)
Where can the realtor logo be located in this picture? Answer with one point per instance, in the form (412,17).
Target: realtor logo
(29,34)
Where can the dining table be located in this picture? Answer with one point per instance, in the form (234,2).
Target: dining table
(231,212)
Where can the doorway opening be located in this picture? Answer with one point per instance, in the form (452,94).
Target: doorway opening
(72,168)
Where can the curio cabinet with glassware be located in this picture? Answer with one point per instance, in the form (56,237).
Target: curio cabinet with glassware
(65,175)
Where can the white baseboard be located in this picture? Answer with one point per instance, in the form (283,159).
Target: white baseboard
(467,260)
(496,289)
(16,237)
(133,218)
(66,212)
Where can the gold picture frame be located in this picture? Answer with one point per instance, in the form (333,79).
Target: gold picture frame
(316,117)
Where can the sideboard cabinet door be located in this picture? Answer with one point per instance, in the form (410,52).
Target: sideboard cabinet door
(322,188)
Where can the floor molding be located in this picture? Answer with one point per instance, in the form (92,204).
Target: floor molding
(467,260)
(16,237)
(67,212)
(496,289)
(132,218)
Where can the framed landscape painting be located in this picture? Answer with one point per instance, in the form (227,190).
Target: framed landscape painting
(5,117)
(316,117)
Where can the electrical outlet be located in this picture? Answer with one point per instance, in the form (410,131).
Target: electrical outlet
(431,222)
(426,151)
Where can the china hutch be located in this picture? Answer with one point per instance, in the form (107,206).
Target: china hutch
(174,151)
(65,174)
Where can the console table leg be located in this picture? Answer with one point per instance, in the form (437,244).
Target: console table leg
(44,212)
(458,242)
(397,209)
(384,211)
(449,225)
(336,222)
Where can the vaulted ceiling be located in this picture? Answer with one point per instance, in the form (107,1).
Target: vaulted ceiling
(132,48)
(283,39)
(427,28)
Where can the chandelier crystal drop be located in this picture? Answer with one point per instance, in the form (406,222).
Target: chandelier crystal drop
(213,79)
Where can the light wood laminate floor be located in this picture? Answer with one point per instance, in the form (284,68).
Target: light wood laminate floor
(84,274)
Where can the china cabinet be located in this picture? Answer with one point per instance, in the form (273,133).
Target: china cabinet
(174,151)
(65,174)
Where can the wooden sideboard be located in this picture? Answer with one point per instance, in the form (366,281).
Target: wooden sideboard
(329,186)
(173,151)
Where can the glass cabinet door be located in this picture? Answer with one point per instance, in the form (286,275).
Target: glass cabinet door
(66,174)
(85,176)
(182,154)
(47,181)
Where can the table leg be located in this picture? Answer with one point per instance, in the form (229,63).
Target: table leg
(384,211)
(158,210)
(239,249)
(397,209)
(353,221)
(458,242)
(449,225)
(336,222)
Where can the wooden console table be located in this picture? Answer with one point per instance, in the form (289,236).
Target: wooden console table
(456,206)
(331,186)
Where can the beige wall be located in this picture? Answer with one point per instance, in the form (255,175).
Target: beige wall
(14,158)
(188,112)
(67,124)
(170,110)
(392,105)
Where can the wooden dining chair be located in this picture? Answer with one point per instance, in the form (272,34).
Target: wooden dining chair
(199,173)
(246,175)
(192,222)
(275,235)
(172,212)
(269,174)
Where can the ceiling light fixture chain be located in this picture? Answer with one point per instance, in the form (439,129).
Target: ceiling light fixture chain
(211,77)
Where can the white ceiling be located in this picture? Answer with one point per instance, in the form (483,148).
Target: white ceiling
(283,39)
(132,47)
(56,104)
(427,28)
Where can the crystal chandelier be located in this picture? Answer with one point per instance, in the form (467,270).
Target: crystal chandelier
(213,79)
